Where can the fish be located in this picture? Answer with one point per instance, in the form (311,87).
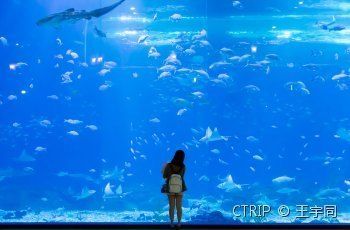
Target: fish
(27,169)
(215,151)
(109,65)
(108,191)
(59,56)
(154,120)
(172,60)
(104,87)
(84,64)
(73,122)
(59,42)
(92,127)
(53,97)
(40,149)
(176,17)
(198,94)
(332,194)
(18,65)
(222,162)
(74,55)
(25,157)
(258,158)
(282,179)
(340,76)
(181,112)
(76,176)
(153,53)
(226,50)
(202,73)
(325,25)
(115,174)
(288,191)
(142,39)
(3,41)
(219,65)
(73,133)
(16,125)
(252,139)
(236,4)
(337,28)
(103,72)
(155,16)
(343,134)
(6,173)
(71,15)
(211,136)
(85,193)
(167,68)
(204,178)
(272,57)
(66,77)
(100,33)
(164,75)
(189,52)
(223,76)
(228,185)
(71,62)
(12,97)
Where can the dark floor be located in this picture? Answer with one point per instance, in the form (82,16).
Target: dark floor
(155,227)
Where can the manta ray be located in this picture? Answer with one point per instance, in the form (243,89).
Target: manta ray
(71,15)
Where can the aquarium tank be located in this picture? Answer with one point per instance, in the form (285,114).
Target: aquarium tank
(96,95)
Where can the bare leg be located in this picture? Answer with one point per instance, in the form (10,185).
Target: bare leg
(171,208)
(179,209)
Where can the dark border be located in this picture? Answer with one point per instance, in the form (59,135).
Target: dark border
(166,226)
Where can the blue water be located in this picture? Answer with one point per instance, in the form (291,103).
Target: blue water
(278,95)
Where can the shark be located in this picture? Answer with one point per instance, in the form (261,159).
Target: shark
(100,33)
(326,25)
(71,15)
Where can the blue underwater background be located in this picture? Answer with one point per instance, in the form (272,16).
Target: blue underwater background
(255,92)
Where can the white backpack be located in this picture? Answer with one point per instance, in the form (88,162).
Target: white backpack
(175,183)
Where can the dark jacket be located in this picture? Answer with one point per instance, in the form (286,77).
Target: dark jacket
(174,169)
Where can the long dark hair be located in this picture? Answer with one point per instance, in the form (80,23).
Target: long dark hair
(178,158)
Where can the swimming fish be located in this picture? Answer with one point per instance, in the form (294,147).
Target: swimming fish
(40,149)
(258,158)
(73,133)
(71,15)
(228,185)
(142,39)
(340,76)
(73,122)
(85,193)
(288,191)
(282,179)
(92,127)
(176,17)
(3,41)
(211,136)
(25,157)
(100,33)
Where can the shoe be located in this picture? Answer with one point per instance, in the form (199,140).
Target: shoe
(172,225)
(178,226)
